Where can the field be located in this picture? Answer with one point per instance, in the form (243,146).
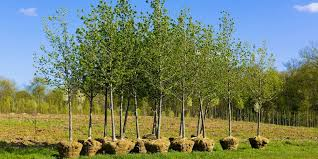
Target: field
(20,135)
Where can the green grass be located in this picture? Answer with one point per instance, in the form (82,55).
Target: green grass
(27,153)
(276,149)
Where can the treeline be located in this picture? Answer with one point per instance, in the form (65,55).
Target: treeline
(39,97)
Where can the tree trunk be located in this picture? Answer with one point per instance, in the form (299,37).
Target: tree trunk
(136,115)
(70,118)
(183,117)
(105,113)
(112,112)
(126,114)
(159,115)
(258,122)
(199,122)
(154,125)
(202,117)
(230,113)
(91,99)
(120,116)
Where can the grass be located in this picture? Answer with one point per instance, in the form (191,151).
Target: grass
(286,142)
(276,150)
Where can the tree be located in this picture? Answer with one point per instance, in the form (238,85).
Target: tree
(37,88)
(157,60)
(264,81)
(127,66)
(233,59)
(7,93)
(58,62)
(103,16)
(206,72)
(184,69)
(88,68)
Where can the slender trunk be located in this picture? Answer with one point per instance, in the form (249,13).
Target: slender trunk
(229,110)
(229,104)
(183,117)
(120,116)
(91,98)
(159,115)
(202,118)
(70,125)
(126,114)
(258,122)
(180,128)
(206,113)
(112,112)
(154,126)
(199,123)
(105,113)
(136,115)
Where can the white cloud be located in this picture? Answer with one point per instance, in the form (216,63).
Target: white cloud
(28,11)
(311,8)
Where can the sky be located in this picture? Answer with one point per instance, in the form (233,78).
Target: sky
(285,25)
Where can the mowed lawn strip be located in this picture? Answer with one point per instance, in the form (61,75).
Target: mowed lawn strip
(277,149)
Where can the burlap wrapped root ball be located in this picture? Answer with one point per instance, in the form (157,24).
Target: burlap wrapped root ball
(91,147)
(182,144)
(229,143)
(123,146)
(69,149)
(203,144)
(157,146)
(104,140)
(258,142)
(139,147)
(150,137)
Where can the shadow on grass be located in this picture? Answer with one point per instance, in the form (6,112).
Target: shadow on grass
(27,148)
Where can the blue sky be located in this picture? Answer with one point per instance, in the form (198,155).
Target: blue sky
(286,25)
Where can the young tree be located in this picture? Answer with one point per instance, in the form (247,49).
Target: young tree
(88,68)
(103,16)
(206,72)
(233,57)
(127,66)
(157,60)
(184,54)
(263,81)
(57,64)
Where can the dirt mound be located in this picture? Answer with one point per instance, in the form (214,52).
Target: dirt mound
(91,147)
(258,142)
(203,144)
(182,145)
(69,149)
(229,143)
(149,137)
(118,146)
(159,145)
(139,147)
